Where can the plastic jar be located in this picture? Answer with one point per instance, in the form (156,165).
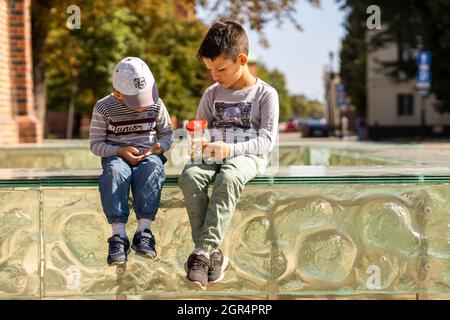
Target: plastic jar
(198,136)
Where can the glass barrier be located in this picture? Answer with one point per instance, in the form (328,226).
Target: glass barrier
(76,155)
(291,236)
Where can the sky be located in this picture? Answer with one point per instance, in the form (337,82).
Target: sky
(301,55)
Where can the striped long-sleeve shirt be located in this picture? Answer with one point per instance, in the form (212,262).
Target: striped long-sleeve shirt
(113,125)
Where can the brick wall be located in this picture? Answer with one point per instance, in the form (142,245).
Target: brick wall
(30,128)
(9,131)
(17,115)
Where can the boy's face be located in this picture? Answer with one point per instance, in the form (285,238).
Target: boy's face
(118,96)
(224,70)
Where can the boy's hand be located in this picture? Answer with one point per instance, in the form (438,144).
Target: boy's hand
(218,150)
(131,154)
(155,149)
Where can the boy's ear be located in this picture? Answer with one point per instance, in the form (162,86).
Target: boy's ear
(117,95)
(242,59)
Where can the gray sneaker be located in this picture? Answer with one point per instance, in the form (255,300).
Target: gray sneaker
(196,269)
(119,248)
(218,264)
(144,244)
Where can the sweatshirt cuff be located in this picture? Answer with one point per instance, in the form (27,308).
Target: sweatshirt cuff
(231,150)
(112,151)
(164,145)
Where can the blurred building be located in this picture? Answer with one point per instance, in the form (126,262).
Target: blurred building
(339,113)
(332,112)
(394,109)
(18,121)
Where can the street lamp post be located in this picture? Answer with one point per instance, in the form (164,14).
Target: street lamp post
(423,121)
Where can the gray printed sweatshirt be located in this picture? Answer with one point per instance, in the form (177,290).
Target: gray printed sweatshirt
(246,119)
(113,125)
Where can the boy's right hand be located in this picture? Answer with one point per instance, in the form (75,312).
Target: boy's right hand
(131,154)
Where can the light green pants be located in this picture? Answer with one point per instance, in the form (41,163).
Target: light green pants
(210,217)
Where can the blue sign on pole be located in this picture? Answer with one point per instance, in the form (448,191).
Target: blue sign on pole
(424,58)
(423,76)
(423,72)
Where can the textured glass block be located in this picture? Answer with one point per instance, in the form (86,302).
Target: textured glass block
(342,238)
(19,244)
(436,268)
(75,234)
(284,240)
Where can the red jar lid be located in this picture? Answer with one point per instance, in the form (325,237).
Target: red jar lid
(197,125)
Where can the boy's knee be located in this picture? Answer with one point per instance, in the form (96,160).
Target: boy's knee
(116,167)
(229,177)
(186,178)
(190,179)
(154,162)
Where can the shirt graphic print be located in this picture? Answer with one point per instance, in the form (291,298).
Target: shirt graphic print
(232,114)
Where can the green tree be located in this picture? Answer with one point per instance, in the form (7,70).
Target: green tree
(72,67)
(84,58)
(39,31)
(305,108)
(276,79)
(353,54)
(174,62)
(257,14)
(81,61)
(426,23)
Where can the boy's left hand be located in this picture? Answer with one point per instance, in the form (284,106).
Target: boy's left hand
(218,150)
(155,149)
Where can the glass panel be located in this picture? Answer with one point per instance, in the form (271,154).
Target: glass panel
(344,239)
(286,240)
(289,237)
(19,244)
(286,153)
(75,234)
(436,268)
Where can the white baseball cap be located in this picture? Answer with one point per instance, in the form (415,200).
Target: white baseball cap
(134,80)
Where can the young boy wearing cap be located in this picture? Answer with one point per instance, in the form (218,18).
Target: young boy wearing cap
(130,130)
(243,112)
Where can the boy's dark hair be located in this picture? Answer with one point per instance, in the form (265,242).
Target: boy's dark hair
(226,38)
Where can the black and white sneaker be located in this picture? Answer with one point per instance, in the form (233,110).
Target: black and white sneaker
(144,244)
(118,250)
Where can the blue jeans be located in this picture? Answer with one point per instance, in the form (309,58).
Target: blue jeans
(146,180)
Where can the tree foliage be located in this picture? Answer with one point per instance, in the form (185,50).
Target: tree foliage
(353,55)
(113,30)
(409,24)
(73,67)
(256,13)
(276,79)
(304,108)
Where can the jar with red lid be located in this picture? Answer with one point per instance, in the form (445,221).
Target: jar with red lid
(198,136)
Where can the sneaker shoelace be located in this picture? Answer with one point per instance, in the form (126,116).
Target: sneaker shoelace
(116,247)
(199,264)
(213,261)
(146,241)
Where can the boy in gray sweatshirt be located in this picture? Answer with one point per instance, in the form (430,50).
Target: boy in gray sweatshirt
(130,130)
(242,113)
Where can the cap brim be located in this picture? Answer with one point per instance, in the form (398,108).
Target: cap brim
(144,99)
